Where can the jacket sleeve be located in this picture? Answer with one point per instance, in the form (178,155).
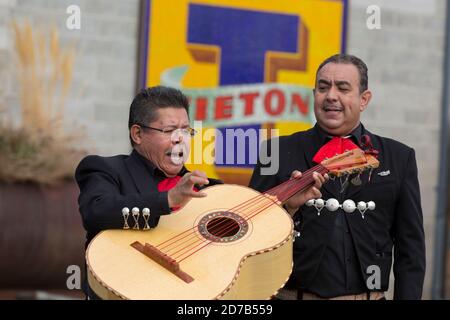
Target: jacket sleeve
(101,201)
(409,249)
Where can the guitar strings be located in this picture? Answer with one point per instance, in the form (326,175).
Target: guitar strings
(225,226)
(181,258)
(261,200)
(241,206)
(223,230)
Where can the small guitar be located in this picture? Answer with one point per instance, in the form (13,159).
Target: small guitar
(234,244)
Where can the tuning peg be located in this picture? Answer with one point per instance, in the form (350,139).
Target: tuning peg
(135,212)
(146,215)
(125,214)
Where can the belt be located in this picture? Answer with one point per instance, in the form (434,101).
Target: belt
(294,294)
(361,296)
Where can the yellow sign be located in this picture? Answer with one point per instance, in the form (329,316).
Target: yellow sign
(248,67)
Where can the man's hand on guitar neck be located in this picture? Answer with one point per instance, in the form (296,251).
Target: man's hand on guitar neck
(313,192)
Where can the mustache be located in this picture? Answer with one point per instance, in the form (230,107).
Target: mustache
(332,107)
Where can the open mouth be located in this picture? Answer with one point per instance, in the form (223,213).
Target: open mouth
(177,155)
(174,154)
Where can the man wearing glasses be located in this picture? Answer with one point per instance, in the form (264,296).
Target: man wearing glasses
(153,176)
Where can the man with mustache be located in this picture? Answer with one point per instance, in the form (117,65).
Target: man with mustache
(345,240)
(153,176)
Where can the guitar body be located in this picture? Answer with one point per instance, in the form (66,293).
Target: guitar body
(251,263)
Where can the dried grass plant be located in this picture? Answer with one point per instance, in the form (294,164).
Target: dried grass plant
(40,149)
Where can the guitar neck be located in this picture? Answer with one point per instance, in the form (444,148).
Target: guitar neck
(289,188)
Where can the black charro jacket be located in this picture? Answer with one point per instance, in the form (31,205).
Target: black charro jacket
(393,230)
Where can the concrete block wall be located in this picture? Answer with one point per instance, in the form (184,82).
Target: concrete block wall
(405,61)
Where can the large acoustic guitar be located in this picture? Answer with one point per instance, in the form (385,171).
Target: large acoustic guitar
(234,244)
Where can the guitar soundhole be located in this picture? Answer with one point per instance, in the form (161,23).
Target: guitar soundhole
(222,226)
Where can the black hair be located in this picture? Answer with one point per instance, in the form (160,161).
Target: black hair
(143,109)
(350,59)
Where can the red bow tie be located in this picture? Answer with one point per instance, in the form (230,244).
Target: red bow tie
(168,183)
(335,146)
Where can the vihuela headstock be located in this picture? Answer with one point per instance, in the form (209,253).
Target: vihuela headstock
(353,161)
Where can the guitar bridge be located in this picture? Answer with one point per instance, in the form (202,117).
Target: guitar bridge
(162,259)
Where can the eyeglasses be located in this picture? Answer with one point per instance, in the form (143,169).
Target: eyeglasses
(170,130)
